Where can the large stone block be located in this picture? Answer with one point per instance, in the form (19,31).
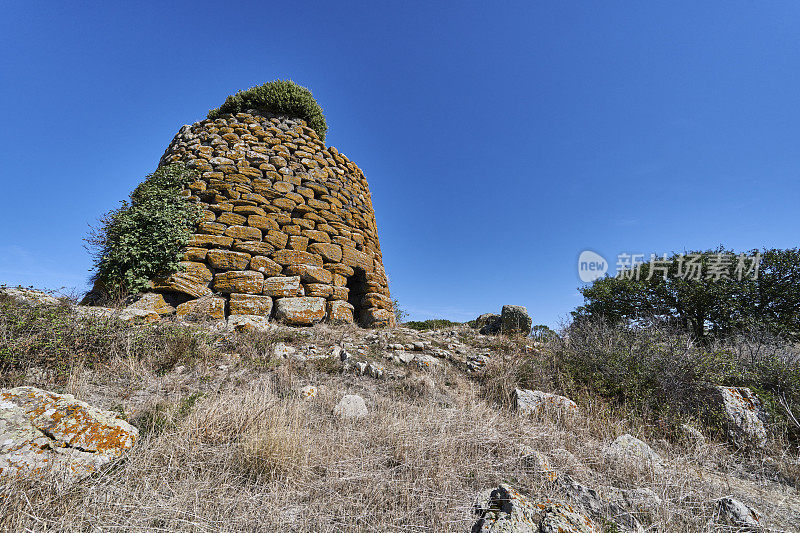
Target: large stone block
(183,284)
(302,311)
(266,266)
(309,274)
(515,320)
(282,286)
(296,257)
(205,308)
(331,253)
(340,312)
(244,233)
(227,259)
(243,281)
(210,241)
(253,247)
(250,304)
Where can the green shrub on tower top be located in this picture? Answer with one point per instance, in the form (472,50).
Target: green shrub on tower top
(280,97)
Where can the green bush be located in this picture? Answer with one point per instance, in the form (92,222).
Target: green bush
(144,238)
(282,97)
(434,323)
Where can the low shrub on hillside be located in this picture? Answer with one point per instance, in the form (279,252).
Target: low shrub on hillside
(434,323)
(55,339)
(659,374)
(144,238)
(280,97)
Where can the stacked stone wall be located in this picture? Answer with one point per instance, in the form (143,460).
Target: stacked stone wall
(287,229)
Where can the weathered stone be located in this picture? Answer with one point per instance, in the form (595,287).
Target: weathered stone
(743,415)
(244,233)
(331,253)
(628,447)
(228,260)
(504,510)
(309,274)
(351,406)
(42,432)
(317,289)
(515,320)
(282,286)
(533,402)
(340,312)
(486,319)
(375,318)
(152,301)
(302,311)
(205,308)
(209,241)
(195,270)
(195,254)
(183,284)
(735,513)
(243,281)
(250,304)
(266,266)
(296,257)
(253,247)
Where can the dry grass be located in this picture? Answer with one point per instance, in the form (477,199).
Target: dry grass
(252,458)
(232,447)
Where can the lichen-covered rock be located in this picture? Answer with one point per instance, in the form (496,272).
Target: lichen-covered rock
(301,311)
(242,323)
(282,286)
(340,312)
(239,281)
(531,402)
(206,308)
(152,301)
(250,304)
(743,415)
(504,510)
(351,406)
(377,318)
(628,447)
(183,284)
(515,320)
(488,323)
(42,431)
(735,513)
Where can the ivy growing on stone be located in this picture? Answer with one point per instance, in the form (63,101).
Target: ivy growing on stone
(144,238)
(279,97)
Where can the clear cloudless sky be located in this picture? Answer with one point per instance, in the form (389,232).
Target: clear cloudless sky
(499,139)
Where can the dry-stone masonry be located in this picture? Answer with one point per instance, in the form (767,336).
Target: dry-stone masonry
(287,229)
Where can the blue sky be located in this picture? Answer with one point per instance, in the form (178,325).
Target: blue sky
(500,139)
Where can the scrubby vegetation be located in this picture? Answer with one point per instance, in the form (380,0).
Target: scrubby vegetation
(282,97)
(659,374)
(433,323)
(143,239)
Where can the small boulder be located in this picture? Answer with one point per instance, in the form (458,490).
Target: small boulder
(29,296)
(152,301)
(628,447)
(504,510)
(307,392)
(735,513)
(515,320)
(242,323)
(488,324)
(42,431)
(743,415)
(351,406)
(531,402)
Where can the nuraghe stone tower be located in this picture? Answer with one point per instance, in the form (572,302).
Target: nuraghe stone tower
(287,231)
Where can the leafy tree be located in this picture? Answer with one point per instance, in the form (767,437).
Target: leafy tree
(143,239)
(726,297)
(279,97)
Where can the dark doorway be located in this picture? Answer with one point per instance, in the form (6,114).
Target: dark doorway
(357,285)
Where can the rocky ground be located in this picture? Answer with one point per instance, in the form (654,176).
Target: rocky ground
(337,428)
